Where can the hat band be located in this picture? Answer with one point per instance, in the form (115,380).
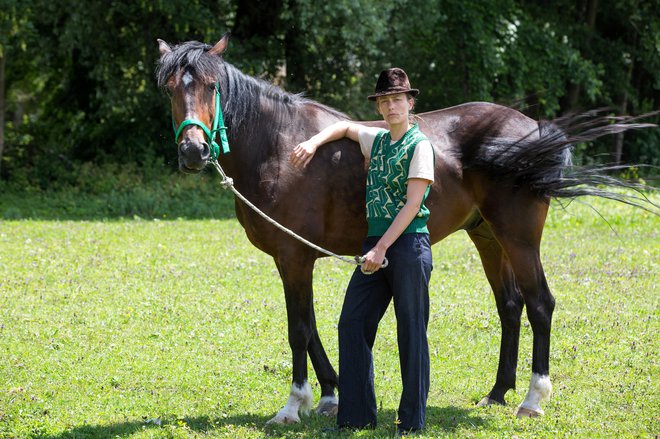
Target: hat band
(393,90)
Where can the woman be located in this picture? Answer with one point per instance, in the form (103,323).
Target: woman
(401,168)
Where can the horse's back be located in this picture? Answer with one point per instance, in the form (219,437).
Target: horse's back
(334,181)
(449,128)
(456,132)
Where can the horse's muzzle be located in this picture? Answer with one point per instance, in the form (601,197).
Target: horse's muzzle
(193,156)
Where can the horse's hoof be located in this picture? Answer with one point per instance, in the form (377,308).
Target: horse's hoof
(328,406)
(488,401)
(524,412)
(284,419)
(329,411)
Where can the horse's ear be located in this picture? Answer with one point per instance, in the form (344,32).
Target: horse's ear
(163,47)
(221,45)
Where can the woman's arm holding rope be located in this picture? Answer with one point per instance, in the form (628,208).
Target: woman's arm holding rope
(373,260)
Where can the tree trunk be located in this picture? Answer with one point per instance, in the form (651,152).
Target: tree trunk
(592,9)
(465,70)
(617,148)
(573,93)
(294,52)
(2,107)
(258,26)
(257,18)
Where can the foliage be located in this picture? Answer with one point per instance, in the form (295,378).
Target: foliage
(80,84)
(177,329)
(114,191)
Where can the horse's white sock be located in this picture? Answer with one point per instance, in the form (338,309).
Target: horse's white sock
(300,400)
(540,389)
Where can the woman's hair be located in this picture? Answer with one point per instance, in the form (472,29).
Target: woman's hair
(412,117)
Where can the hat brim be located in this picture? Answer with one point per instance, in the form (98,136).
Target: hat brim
(412,91)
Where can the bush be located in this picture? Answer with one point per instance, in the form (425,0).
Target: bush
(113,191)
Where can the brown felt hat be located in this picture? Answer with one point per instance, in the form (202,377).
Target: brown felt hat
(392,81)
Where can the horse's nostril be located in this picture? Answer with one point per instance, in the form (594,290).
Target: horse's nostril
(191,149)
(206,151)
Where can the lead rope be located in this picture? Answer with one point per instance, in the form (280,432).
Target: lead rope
(227,182)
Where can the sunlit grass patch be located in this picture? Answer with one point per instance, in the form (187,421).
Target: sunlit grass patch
(143,328)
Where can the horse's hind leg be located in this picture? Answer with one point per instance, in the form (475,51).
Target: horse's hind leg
(540,305)
(509,303)
(517,224)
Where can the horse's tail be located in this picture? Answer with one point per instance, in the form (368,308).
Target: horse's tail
(542,161)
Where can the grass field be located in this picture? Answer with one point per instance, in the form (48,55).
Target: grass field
(176,329)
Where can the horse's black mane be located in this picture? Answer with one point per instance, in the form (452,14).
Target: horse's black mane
(242,94)
(190,55)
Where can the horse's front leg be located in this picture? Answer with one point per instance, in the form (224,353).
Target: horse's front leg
(325,373)
(296,269)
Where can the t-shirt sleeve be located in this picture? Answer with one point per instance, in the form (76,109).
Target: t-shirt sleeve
(422,164)
(367,135)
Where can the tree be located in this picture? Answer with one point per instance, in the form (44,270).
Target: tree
(79,81)
(2,106)
(15,32)
(98,101)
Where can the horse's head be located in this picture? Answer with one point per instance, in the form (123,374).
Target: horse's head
(189,72)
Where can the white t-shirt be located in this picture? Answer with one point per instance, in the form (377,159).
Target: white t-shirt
(421,164)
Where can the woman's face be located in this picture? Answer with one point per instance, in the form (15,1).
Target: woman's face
(394,108)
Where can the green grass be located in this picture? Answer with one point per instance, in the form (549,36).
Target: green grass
(177,329)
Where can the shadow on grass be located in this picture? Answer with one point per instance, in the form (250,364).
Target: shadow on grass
(439,419)
(449,419)
(200,424)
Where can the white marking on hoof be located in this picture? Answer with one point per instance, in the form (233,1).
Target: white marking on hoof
(328,406)
(540,389)
(300,400)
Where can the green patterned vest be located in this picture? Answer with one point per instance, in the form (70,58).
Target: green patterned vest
(387,182)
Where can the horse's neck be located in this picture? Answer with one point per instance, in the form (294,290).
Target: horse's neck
(265,123)
(254,141)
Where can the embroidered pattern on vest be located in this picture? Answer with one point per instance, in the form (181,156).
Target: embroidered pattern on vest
(388,173)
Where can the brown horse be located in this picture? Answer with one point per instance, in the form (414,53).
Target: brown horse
(496,171)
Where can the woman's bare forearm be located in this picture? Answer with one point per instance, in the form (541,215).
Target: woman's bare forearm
(302,154)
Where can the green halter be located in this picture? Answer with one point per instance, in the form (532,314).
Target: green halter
(218,128)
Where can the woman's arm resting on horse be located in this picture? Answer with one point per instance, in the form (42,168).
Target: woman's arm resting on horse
(414,196)
(302,154)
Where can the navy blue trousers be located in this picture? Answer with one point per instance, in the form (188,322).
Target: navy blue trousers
(405,280)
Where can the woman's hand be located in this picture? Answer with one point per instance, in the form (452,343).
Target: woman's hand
(374,259)
(302,154)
